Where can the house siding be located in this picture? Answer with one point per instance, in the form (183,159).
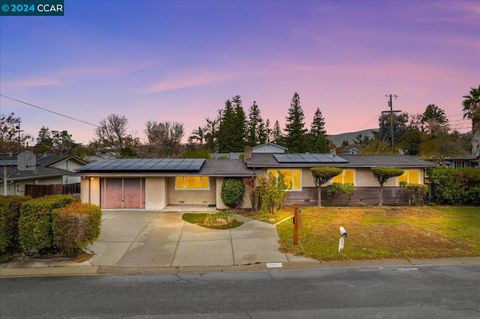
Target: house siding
(192,197)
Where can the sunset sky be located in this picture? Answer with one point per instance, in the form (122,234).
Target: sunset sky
(180,60)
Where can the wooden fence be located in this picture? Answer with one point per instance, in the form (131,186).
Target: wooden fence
(35,191)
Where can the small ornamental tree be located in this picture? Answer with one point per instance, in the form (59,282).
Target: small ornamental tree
(272,192)
(383,174)
(322,175)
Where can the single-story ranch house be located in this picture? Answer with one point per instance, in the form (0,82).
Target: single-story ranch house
(153,184)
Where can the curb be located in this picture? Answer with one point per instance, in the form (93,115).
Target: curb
(89,270)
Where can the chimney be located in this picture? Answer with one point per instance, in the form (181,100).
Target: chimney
(247,153)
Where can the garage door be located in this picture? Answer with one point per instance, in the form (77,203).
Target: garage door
(122,193)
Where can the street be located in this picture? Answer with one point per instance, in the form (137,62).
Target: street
(423,292)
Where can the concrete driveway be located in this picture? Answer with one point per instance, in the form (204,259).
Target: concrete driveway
(154,239)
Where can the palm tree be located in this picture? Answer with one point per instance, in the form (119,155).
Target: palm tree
(198,135)
(471,110)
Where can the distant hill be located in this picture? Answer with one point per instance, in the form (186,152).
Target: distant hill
(338,139)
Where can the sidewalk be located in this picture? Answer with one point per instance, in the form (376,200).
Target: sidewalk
(87,269)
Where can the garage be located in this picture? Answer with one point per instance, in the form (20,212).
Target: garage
(119,193)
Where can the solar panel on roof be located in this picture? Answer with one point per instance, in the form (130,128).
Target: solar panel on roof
(154,164)
(308,158)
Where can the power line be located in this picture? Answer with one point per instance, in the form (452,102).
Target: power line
(47,110)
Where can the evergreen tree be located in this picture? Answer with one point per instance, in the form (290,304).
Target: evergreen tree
(276,133)
(253,125)
(262,132)
(268,131)
(318,134)
(296,133)
(239,125)
(225,134)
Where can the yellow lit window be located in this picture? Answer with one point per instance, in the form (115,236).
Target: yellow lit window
(191,182)
(346,177)
(291,177)
(410,176)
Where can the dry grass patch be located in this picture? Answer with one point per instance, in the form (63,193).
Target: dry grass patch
(383,232)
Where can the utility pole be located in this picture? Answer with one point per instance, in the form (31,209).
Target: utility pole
(392,121)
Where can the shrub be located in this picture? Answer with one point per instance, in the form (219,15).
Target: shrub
(471,176)
(447,185)
(232,192)
(416,193)
(334,189)
(75,226)
(472,195)
(9,215)
(35,224)
(197,154)
(272,192)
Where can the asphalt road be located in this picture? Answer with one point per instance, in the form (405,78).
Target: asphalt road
(426,292)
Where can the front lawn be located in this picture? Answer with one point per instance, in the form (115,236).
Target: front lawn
(382,232)
(221,220)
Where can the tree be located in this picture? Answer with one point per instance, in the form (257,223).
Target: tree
(263,131)
(471,110)
(296,133)
(198,136)
(165,136)
(112,135)
(11,137)
(239,124)
(434,120)
(62,142)
(318,134)
(276,133)
(399,125)
(212,131)
(231,134)
(272,192)
(411,141)
(253,125)
(268,131)
(382,174)
(44,140)
(322,175)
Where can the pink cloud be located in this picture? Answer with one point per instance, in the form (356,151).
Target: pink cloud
(190,80)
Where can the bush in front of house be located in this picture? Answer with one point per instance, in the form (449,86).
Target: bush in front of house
(447,185)
(232,192)
(35,224)
(417,193)
(9,215)
(75,226)
(272,192)
(335,189)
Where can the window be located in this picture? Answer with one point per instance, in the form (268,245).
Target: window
(191,182)
(346,177)
(410,176)
(291,177)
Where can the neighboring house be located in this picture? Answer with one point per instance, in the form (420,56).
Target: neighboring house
(269,148)
(225,156)
(27,169)
(155,183)
(461,161)
(350,149)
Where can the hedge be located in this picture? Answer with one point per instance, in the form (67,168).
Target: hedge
(35,224)
(9,215)
(232,192)
(455,186)
(75,226)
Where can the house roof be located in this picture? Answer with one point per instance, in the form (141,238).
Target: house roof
(268,160)
(48,160)
(209,168)
(269,145)
(39,172)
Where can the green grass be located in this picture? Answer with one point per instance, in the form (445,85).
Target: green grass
(382,232)
(212,221)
